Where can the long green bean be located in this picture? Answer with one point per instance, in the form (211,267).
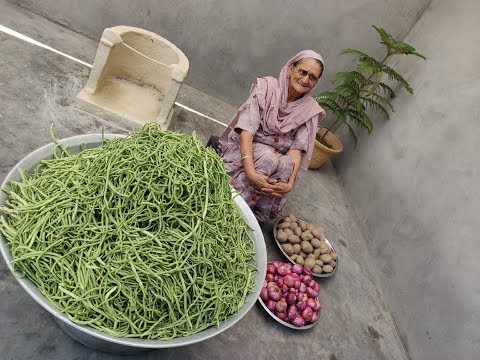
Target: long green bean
(139,237)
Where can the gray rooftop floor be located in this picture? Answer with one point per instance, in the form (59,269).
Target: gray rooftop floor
(38,87)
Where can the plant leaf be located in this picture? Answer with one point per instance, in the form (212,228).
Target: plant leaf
(396,46)
(393,75)
(361,119)
(352,135)
(387,89)
(376,106)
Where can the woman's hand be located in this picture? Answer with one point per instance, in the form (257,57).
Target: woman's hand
(281,188)
(260,182)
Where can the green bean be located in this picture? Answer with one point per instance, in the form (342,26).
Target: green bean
(139,237)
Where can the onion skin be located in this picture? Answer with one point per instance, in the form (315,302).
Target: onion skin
(297,269)
(269,277)
(307,271)
(283,270)
(264,294)
(301,306)
(271,304)
(307,314)
(282,315)
(274,293)
(289,280)
(306,279)
(276,263)
(312,303)
(271,269)
(291,298)
(296,284)
(280,282)
(311,293)
(298,321)
(302,288)
(292,312)
(281,305)
(314,317)
(302,297)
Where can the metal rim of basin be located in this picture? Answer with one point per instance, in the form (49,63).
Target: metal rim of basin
(93,140)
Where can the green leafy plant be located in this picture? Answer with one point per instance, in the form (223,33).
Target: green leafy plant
(364,89)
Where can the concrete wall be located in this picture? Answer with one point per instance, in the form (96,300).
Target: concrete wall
(416,183)
(230,43)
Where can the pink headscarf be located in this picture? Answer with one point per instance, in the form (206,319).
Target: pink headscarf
(278,115)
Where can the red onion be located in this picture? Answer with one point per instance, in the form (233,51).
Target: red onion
(297,269)
(314,317)
(274,293)
(318,306)
(316,287)
(302,305)
(291,298)
(307,271)
(311,293)
(282,315)
(289,280)
(307,314)
(276,263)
(271,304)
(306,279)
(264,294)
(279,282)
(292,312)
(269,277)
(312,283)
(281,305)
(312,303)
(298,321)
(283,270)
(271,269)
(302,297)
(296,284)
(285,289)
(302,287)
(271,284)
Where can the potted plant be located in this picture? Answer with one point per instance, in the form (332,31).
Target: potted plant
(355,93)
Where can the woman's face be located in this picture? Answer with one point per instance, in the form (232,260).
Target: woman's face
(303,76)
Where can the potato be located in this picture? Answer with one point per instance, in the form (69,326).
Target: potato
(297,248)
(283,225)
(297,231)
(303,254)
(315,243)
(302,224)
(316,233)
(293,257)
(299,260)
(287,219)
(288,249)
(332,263)
(317,253)
(306,235)
(311,256)
(288,231)
(323,247)
(334,255)
(293,225)
(292,217)
(326,258)
(309,263)
(294,239)
(319,262)
(327,268)
(306,247)
(282,237)
(310,227)
(317,269)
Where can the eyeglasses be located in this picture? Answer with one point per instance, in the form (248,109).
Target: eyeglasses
(303,72)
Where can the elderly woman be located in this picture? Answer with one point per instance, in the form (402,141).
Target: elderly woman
(270,140)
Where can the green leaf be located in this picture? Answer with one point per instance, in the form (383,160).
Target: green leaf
(393,75)
(352,135)
(387,89)
(375,106)
(396,46)
(383,100)
(361,119)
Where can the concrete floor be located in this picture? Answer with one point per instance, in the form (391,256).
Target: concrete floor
(38,87)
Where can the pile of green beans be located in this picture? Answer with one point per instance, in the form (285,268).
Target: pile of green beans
(139,237)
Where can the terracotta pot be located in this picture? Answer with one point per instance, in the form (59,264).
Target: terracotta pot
(322,153)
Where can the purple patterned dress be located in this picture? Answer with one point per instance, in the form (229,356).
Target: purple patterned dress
(268,155)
